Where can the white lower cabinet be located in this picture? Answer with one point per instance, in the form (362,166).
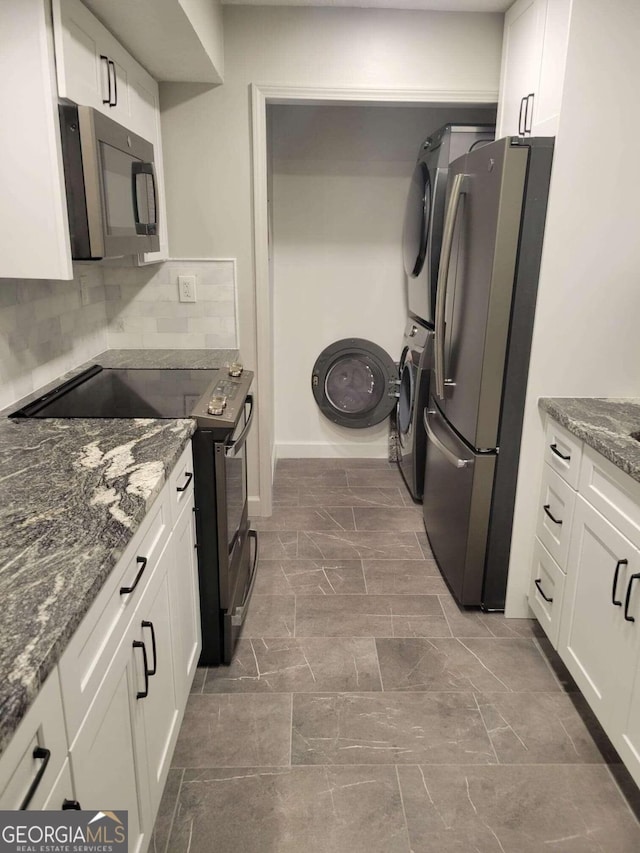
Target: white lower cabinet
(590,606)
(185,602)
(104,755)
(598,644)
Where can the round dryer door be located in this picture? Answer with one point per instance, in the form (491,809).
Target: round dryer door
(416,221)
(354,382)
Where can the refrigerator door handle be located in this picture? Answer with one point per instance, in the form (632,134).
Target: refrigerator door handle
(458,189)
(448,455)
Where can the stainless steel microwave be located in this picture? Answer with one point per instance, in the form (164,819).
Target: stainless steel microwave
(110,186)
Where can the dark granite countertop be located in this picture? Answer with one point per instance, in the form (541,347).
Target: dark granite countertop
(72,494)
(604,424)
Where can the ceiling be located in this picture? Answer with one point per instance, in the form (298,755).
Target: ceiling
(433,5)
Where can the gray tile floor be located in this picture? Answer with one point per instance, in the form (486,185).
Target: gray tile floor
(364,711)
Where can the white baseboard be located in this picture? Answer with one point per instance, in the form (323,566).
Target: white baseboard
(324,450)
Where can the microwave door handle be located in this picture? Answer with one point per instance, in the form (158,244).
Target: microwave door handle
(458,189)
(139,168)
(233,449)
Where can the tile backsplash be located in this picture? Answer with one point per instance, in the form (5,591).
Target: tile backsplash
(143,309)
(47,328)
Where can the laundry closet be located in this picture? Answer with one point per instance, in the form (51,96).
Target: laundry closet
(338,182)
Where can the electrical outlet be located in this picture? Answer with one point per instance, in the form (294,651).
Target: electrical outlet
(187,288)
(84,289)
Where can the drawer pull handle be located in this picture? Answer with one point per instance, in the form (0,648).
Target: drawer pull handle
(628,598)
(186,485)
(40,753)
(554,448)
(541,591)
(146,624)
(142,694)
(142,562)
(68,805)
(107,100)
(547,509)
(615,582)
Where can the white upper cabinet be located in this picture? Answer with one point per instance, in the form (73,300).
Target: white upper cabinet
(533,60)
(34,230)
(94,70)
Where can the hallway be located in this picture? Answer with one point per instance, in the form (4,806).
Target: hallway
(365,712)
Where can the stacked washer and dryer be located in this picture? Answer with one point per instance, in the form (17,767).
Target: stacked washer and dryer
(355,382)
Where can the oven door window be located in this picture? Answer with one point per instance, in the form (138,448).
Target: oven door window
(236,484)
(117,172)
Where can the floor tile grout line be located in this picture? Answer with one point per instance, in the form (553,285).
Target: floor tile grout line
(404,813)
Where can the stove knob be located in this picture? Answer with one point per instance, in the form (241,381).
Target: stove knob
(217,405)
(235,369)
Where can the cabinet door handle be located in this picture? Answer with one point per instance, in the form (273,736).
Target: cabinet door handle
(547,509)
(142,562)
(627,600)
(68,805)
(147,624)
(530,97)
(107,100)
(615,582)
(538,583)
(40,753)
(142,694)
(189,477)
(520,123)
(114,103)
(554,449)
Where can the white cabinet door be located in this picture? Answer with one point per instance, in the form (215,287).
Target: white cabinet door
(598,645)
(160,710)
(105,751)
(33,206)
(628,741)
(548,98)
(61,792)
(185,602)
(521,57)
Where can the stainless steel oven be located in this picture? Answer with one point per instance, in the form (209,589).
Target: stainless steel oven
(227,548)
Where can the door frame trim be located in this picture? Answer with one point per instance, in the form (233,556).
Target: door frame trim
(260,96)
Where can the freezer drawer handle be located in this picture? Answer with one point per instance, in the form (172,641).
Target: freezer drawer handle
(448,455)
(633,578)
(615,582)
(554,448)
(538,583)
(547,509)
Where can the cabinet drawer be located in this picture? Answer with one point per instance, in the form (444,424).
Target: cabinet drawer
(85,660)
(546,591)
(41,728)
(612,492)
(563,452)
(555,514)
(181,483)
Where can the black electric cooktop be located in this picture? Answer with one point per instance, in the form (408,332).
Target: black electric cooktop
(103,392)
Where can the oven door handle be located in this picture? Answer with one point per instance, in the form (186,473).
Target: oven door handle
(240,613)
(234,449)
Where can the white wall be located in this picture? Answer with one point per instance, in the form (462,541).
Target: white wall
(340,180)
(586,340)
(206,132)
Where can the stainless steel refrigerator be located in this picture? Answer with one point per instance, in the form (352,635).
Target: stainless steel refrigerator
(487,284)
